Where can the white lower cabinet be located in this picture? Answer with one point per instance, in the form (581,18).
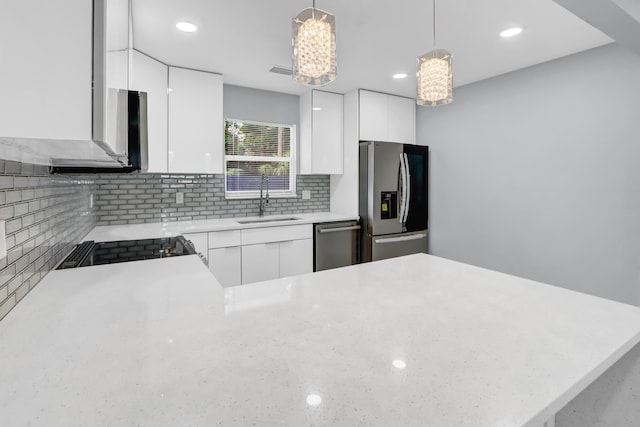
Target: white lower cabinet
(260,262)
(199,240)
(226,265)
(225,257)
(256,254)
(296,257)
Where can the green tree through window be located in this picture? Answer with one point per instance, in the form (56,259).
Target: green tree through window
(253,149)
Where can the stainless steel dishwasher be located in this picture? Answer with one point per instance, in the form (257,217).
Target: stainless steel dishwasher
(335,244)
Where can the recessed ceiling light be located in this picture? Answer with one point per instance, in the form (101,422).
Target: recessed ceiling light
(317,109)
(399,76)
(510,32)
(399,364)
(314,400)
(187,27)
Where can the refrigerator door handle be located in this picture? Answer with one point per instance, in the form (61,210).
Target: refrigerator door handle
(407,199)
(403,188)
(401,239)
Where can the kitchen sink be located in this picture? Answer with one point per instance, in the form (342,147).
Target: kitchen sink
(256,221)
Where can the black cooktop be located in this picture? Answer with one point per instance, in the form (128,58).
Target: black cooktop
(92,253)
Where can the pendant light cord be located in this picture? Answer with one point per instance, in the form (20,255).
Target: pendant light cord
(434,23)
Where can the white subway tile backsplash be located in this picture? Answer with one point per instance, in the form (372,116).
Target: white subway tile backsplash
(45,215)
(130,199)
(7,305)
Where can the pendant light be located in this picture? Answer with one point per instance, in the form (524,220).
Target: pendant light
(435,76)
(314,47)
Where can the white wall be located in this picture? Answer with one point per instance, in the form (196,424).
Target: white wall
(536,173)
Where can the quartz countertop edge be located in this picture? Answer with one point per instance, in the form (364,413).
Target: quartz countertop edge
(105,233)
(160,343)
(584,382)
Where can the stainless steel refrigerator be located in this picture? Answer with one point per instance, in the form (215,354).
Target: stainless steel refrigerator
(394,205)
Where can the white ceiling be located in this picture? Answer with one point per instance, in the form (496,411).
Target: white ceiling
(243,39)
(632,7)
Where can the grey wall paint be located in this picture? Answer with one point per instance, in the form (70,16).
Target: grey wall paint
(138,198)
(45,216)
(260,105)
(535,173)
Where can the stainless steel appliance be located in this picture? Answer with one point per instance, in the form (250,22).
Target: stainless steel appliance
(119,116)
(335,244)
(124,137)
(394,204)
(91,253)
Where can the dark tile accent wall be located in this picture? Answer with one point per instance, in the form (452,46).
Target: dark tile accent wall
(45,215)
(148,197)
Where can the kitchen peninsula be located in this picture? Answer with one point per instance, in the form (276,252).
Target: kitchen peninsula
(417,340)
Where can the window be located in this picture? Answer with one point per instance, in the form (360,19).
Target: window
(253,150)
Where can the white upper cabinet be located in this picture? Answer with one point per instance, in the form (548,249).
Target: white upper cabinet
(321,133)
(45,51)
(196,137)
(401,119)
(373,116)
(387,118)
(150,76)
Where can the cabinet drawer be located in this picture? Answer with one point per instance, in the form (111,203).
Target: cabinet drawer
(224,239)
(276,234)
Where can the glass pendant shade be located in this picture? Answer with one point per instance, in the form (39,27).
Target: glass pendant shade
(314,47)
(435,78)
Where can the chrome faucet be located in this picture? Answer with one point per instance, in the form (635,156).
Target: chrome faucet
(264,202)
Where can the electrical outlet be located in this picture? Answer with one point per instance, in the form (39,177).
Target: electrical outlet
(91,201)
(3,240)
(179,198)
(306,194)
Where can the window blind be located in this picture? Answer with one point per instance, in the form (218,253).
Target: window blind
(256,149)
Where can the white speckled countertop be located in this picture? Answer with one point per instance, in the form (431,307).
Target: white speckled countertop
(108,233)
(417,340)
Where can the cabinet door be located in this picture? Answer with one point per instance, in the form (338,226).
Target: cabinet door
(260,262)
(373,116)
(296,257)
(226,265)
(46,56)
(327,133)
(149,75)
(402,120)
(199,240)
(195,121)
